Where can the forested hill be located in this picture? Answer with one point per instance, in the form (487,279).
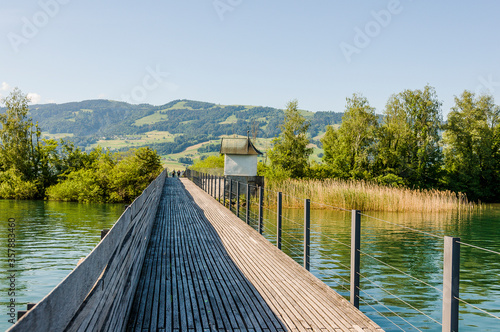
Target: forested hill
(193,121)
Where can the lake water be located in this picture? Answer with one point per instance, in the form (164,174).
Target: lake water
(412,253)
(50,239)
(52,236)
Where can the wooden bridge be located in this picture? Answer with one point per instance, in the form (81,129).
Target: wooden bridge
(177,260)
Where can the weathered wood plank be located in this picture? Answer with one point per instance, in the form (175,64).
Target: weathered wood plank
(274,273)
(221,275)
(86,285)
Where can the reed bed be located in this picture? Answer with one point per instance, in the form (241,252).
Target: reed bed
(365,196)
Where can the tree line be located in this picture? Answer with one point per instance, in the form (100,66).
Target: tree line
(410,145)
(35,168)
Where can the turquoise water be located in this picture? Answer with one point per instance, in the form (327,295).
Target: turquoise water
(410,252)
(50,238)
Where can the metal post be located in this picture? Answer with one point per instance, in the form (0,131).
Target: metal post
(224,193)
(247,214)
(230,192)
(278,221)
(238,199)
(261,210)
(307,232)
(451,280)
(218,188)
(212,185)
(355,256)
(104,232)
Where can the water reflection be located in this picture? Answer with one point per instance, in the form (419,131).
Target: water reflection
(50,239)
(403,252)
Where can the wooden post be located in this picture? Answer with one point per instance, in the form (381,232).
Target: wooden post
(238,199)
(278,221)
(247,214)
(307,232)
(261,209)
(230,192)
(451,281)
(355,256)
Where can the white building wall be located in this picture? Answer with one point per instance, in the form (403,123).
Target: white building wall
(244,165)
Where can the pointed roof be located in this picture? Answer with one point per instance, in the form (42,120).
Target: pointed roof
(242,146)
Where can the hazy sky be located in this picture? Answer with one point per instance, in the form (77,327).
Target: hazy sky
(252,52)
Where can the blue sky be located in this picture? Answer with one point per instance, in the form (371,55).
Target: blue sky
(248,52)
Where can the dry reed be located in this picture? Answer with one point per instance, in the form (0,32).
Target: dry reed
(365,196)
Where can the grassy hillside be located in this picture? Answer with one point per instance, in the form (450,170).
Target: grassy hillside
(178,130)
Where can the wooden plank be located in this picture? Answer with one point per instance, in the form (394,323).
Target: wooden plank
(297,291)
(64,304)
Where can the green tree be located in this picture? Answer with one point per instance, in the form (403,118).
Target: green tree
(20,148)
(290,154)
(349,149)
(134,171)
(472,143)
(212,164)
(408,140)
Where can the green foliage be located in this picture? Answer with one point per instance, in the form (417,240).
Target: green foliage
(349,149)
(185,160)
(133,172)
(408,139)
(12,185)
(290,154)
(322,171)
(390,180)
(261,169)
(277,173)
(472,146)
(209,163)
(80,186)
(110,178)
(20,148)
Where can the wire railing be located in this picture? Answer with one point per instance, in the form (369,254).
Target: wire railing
(290,240)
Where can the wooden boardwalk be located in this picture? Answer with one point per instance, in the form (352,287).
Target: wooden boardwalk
(206,270)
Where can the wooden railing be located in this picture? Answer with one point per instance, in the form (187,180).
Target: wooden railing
(97,294)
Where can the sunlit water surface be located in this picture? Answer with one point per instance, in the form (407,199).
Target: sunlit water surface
(50,239)
(394,248)
(52,236)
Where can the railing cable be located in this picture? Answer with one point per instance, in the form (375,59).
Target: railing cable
(476,247)
(359,297)
(400,299)
(402,226)
(477,308)
(395,268)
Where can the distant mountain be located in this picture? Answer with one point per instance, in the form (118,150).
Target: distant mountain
(190,121)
